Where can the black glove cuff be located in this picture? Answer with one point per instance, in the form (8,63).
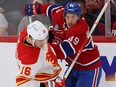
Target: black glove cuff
(51,35)
(42,85)
(49,40)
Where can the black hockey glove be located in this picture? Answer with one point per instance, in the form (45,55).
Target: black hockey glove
(50,36)
(42,85)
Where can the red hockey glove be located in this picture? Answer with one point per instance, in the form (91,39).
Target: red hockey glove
(54,84)
(59,84)
(31,9)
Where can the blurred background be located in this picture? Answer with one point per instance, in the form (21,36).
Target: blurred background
(12,19)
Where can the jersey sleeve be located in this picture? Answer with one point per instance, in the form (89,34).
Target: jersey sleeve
(50,9)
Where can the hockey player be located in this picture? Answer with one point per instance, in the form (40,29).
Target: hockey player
(35,57)
(74,30)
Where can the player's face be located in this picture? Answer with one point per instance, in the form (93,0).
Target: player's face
(39,43)
(71,19)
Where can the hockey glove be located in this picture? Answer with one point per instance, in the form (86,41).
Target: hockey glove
(59,84)
(53,84)
(50,36)
(31,9)
(54,36)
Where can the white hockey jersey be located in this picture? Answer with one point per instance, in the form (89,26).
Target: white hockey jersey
(35,63)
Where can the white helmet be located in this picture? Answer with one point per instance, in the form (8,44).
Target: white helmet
(37,30)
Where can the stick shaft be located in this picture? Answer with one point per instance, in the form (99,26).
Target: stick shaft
(30,19)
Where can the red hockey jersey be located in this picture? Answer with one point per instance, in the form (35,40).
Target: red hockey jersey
(73,39)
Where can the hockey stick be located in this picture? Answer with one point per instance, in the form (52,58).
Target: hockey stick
(113,2)
(30,19)
(83,45)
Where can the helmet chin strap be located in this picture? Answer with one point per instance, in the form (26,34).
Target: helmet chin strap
(32,41)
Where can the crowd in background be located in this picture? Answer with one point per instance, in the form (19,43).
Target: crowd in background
(12,19)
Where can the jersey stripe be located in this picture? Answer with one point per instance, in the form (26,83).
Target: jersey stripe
(51,8)
(95,78)
(87,64)
(89,46)
(67,48)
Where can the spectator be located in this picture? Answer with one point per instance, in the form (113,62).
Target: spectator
(3,25)
(13,10)
(1,10)
(74,31)
(113,11)
(92,12)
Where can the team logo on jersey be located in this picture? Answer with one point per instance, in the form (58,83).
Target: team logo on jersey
(56,27)
(71,5)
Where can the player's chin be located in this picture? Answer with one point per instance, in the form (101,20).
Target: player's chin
(39,46)
(69,26)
